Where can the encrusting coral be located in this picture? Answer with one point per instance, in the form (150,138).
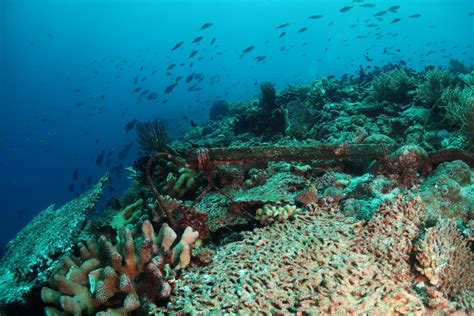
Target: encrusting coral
(113,279)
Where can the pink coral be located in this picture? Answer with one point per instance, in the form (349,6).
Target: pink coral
(140,269)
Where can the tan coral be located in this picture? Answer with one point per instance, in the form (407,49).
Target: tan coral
(445,259)
(270,213)
(310,265)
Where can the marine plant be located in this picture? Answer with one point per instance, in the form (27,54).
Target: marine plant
(113,279)
(459,109)
(393,86)
(436,80)
(152,135)
(218,110)
(268,97)
(457,67)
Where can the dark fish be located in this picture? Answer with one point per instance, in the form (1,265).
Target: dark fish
(50,35)
(368,5)
(396,20)
(124,151)
(189,78)
(193,124)
(100,158)
(136,90)
(197,39)
(170,88)
(178,45)
(136,80)
(144,92)
(75,174)
(372,25)
(130,125)
(193,53)
(213,41)
(402,62)
(77,90)
(70,188)
(206,26)
(103,97)
(380,13)
(152,96)
(415,16)
(470,14)
(143,79)
(248,49)
(303,29)
(260,58)
(315,17)
(282,34)
(394,8)
(170,67)
(282,25)
(345,9)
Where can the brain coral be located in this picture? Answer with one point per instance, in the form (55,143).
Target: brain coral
(309,264)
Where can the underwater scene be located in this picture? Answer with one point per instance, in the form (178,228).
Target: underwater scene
(237,157)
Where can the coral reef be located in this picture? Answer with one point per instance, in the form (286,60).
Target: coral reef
(115,279)
(38,248)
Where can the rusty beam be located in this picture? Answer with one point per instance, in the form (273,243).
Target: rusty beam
(243,155)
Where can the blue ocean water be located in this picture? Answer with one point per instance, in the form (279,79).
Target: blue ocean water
(67,71)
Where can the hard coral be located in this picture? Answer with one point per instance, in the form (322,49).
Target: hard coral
(391,231)
(310,265)
(119,277)
(444,258)
(39,247)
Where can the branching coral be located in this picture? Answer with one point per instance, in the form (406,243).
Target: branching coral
(444,258)
(122,277)
(152,135)
(394,86)
(128,215)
